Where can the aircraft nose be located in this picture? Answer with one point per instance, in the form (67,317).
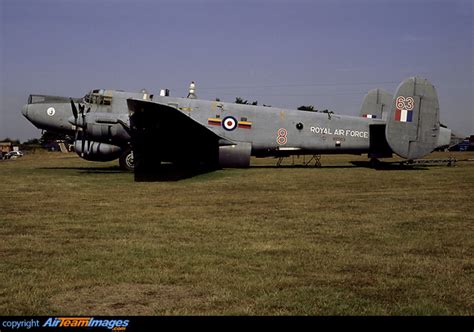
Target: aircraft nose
(24,111)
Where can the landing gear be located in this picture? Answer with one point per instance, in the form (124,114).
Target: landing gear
(317,160)
(126,160)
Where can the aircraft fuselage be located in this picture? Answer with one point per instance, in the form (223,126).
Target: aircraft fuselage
(277,131)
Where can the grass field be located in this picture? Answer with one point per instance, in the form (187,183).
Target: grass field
(80,238)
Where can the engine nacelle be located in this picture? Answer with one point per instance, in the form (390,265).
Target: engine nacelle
(104,127)
(235,156)
(95,151)
(107,132)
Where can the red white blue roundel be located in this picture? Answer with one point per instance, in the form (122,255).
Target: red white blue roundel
(229,123)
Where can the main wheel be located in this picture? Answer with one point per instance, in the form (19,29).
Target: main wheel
(126,160)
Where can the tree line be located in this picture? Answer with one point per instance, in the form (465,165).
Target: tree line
(308,108)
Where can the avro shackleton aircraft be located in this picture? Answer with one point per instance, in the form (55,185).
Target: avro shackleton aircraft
(193,132)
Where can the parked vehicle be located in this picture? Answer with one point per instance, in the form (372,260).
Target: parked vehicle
(13,155)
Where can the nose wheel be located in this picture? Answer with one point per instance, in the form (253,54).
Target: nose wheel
(126,160)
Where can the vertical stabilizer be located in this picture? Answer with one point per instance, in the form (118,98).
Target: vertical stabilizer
(412,129)
(376,104)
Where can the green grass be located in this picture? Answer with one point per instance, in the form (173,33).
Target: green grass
(80,238)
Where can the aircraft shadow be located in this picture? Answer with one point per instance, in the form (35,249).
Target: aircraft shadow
(381,165)
(171,172)
(300,166)
(388,166)
(166,172)
(91,170)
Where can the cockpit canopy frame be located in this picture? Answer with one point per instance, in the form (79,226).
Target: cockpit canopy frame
(99,97)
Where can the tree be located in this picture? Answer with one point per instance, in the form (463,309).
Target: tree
(239,100)
(9,140)
(49,136)
(31,144)
(309,108)
(32,141)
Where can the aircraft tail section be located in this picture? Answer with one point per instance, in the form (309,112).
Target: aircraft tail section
(376,104)
(413,128)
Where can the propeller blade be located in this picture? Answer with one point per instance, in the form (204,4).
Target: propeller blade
(83,143)
(75,113)
(74,109)
(84,129)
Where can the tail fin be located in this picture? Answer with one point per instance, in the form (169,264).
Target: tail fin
(376,104)
(413,128)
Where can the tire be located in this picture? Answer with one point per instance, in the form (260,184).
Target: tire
(126,161)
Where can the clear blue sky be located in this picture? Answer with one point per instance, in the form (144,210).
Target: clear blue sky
(284,53)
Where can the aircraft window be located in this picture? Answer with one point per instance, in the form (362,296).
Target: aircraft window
(107,100)
(41,99)
(103,100)
(88,97)
(36,99)
(97,97)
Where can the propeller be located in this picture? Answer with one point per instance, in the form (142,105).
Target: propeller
(74,110)
(83,125)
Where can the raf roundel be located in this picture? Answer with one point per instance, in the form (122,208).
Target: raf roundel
(50,111)
(229,123)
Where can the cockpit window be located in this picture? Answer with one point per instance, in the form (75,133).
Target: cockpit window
(44,99)
(99,97)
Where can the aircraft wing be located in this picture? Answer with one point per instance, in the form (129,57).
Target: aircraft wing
(161,133)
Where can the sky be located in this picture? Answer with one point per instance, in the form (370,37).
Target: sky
(284,53)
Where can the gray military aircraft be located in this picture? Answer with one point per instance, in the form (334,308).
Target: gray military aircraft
(198,133)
